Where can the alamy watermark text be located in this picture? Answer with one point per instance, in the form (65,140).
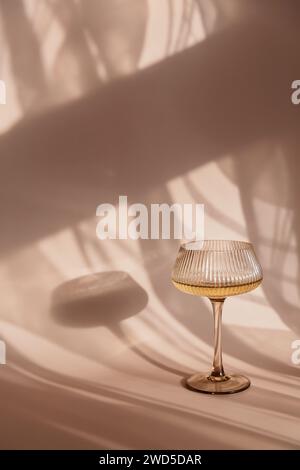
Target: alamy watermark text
(156,221)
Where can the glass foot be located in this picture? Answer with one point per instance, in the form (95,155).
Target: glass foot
(207,384)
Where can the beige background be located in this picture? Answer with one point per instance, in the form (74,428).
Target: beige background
(161,100)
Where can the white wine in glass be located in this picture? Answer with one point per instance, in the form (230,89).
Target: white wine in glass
(217,269)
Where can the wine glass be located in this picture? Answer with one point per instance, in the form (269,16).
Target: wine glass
(217,269)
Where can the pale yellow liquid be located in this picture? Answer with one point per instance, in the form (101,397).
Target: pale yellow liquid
(217,292)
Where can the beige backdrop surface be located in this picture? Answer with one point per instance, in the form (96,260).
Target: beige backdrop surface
(163,101)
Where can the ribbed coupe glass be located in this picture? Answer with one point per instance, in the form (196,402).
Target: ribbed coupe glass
(217,269)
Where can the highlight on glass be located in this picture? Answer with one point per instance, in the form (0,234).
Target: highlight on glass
(217,269)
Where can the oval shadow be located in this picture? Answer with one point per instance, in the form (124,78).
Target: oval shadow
(100,299)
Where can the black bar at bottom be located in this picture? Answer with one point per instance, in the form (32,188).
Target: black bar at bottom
(142,458)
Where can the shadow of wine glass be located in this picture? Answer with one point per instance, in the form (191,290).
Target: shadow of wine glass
(103,299)
(99,299)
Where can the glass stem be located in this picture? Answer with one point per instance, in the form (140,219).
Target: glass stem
(217,371)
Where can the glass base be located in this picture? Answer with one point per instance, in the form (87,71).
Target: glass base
(213,385)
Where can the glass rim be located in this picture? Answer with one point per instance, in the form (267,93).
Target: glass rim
(243,245)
